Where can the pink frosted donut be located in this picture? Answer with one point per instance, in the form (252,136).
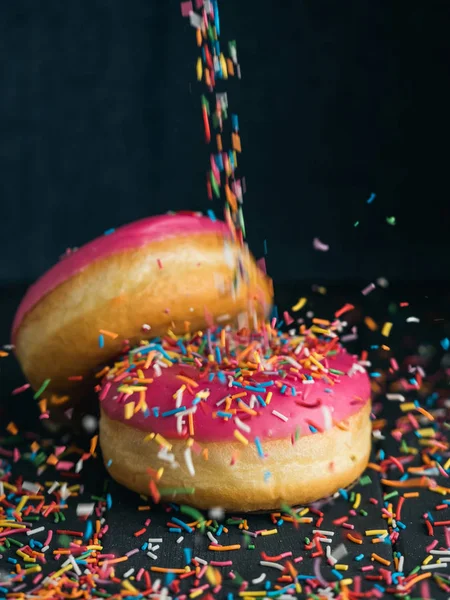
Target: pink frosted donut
(249,421)
(160,272)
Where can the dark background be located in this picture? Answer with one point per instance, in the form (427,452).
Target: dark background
(100,124)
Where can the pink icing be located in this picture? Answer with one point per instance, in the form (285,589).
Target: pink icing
(130,236)
(347,397)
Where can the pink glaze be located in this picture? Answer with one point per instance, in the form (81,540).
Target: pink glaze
(348,396)
(130,236)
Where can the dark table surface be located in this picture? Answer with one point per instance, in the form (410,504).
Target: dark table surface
(411,343)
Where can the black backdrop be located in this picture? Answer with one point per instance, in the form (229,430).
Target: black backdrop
(100,124)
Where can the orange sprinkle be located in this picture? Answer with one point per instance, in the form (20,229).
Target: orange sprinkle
(411,494)
(102,372)
(93,446)
(187,380)
(110,334)
(113,561)
(12,428)
(415,482)
(353,539)
(370,323)
(224,548)
(425,413)
(191,424)
(166,570)
(375,467)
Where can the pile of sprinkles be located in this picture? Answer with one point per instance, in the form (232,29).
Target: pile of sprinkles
(61,525)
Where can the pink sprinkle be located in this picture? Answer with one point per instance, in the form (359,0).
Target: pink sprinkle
(431,546)
(131,552)
(16,455)
(104,391)
(373,500)
(198,3)
(139,574)
(186,8)
(447,536)
(352,512)
(231,575)
(287,318)
(368,568)
(37,579)
(20,389)
(64,465)
(220,563)
(394,364)
(147,522)
(318,245)
(348,526)
(298,559)
(368,289)
(48,538)
(158,261)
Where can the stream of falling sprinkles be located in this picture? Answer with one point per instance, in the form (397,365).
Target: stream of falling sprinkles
(42,557)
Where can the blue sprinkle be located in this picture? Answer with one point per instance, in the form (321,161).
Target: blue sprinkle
(187,555)
(343,493)
(109,463)
(445,343)
(372,198)
(88,530)
(169,577)
(225,415)
(235,122)
(182,347)
(267,475)
(312,429)
(12,560)
(175,529)
(108,501)
(146,412)
(216,17)
(221,377)
(211,215)
(252,388)
(328,391)
(337,574)
(359,557)
(155,411)
(266,383)
(280,522)
(218,355)
(293,391)
(101,341)
(196,400)
(211,377)
(174,411)
(144,546)
(382,454)
(80,561)
(401,525)
(259,447)
(260,400)
(283,389)
(379,587)
(375,374)
(219,531)
(219,162)
(404,477)
(182,524)
(413,381)
(109,231)
(430,517)
(374,347)
(274,313)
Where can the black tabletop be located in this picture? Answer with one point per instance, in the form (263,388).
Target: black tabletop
(388,535)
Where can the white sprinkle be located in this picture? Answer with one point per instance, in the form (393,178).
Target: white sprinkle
(318,245)
(85,510)
(395,397)
(412,320)
(444,559)
(280,416)
(441,552)
(76,568)
(179,398)
(151,555)
(2,490)
(195,20)
(154,540)
(212,538)
(152,547)
(53,487)
(157,370)
(128,573)
(79,466)
(324,531)
(434,566)
(259,579)
(327,420)
(225,317)
(201,561)
(242,425)
(253,401)
(180,539)
(293,362)
(45,548)
(266,563)
(400,564)
(299,348)
(308,381)
(349,337)
(188,461)
(30,487)
(157,585)
(37,530)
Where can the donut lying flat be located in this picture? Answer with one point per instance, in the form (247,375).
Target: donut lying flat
(245,423)
(161,271)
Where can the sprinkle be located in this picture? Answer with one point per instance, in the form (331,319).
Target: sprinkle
(300,304)
(224,548)
(280,416)
(41,389)
(386,329)
(238,435)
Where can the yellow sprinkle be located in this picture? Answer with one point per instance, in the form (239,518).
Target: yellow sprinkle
(196,593)
(140,373)
(128,410)
(199,69)
(357,501)
(252,594)
(179,391)
(377,532)
(223,65)
(300,304)
(238,435)
(406,406)
(447,465)
(268,397)
(128,586)
(427,432)
(22,503)
(162,441)
(269,532)
(36,569)
(12,525)
(303,512)
(132,388)
(316,362)
(347,581)
(386,329)
(25,557)
(427,559)
(320,330)
(61,571)
(341,567)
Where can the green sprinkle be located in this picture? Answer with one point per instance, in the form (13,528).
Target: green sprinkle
(15,542)
(41,389)
(390,495)
(366,480)
(390,220)
(355,224)
(174,490)
(251,547)
(195,514)
(307,540)
(363,512)
(336,372)
(415,570)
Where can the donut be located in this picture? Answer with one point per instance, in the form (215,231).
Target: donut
(244,421)
(160,273)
